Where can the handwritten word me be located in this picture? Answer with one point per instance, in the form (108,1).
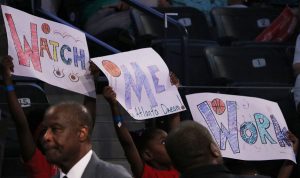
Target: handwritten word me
(142,81)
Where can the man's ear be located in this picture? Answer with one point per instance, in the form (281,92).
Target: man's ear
(147,155)
(83,133)
(215,150)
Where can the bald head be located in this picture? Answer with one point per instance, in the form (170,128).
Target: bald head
(67,134)
(191,145)
(73,112)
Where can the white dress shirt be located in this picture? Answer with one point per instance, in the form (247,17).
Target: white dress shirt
(77,170)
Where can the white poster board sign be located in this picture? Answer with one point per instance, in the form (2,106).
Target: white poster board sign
(49,51)
(244,128)
(141,81)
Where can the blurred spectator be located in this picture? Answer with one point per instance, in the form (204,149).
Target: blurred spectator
(146,153)
(195,154)
(99,16)
(51,6)
(296,67)
(204,6)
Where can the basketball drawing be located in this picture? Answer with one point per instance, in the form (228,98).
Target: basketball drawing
(111,68)
(45,28)
(218,106)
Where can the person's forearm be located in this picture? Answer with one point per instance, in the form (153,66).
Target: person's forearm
(286,169)
(90,104)
(7,80)
(26,140)
(173,121)
(128,144)
(121,129)
(115,109)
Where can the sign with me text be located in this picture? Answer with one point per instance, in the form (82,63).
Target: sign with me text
(141,81)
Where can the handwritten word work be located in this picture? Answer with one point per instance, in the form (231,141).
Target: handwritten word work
(141,81)
(243,127)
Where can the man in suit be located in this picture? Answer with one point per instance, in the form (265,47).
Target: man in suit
(195,154)
(67,143)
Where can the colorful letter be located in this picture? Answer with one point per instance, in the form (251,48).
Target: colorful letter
(80,58)
(250,139)
(28,53)
(221,135)
(158,88)
(44,46)
(55,45)
(263,123)
(62,54)
(141,80)
(280,134)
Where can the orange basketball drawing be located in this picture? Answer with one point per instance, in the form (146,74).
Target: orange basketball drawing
(45,28)
(111,68)
(218,106)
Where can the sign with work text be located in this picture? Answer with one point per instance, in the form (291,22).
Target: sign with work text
(141,81)
(244,128)
(49,51)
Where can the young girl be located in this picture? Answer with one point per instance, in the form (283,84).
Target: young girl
(148,159)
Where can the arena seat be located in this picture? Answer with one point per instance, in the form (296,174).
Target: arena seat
(251,66)
(148,28)
(194,69)
(242,24)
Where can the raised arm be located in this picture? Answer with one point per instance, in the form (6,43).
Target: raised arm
(90,102)
(129,147)
(174,119)
(288,166)
(27,143)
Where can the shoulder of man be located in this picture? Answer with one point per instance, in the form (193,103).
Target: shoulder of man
(106,169)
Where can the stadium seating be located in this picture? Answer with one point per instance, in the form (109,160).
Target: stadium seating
(194,69)
(150,31)
(147,27)
(252,66)
(242,24)
(192,19)
(257,71)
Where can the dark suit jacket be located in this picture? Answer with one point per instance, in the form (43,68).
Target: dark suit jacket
(98,168)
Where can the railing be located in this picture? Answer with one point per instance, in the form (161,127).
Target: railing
(88,36)
(135,4)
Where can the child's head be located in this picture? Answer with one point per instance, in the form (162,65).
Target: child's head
(151,146)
